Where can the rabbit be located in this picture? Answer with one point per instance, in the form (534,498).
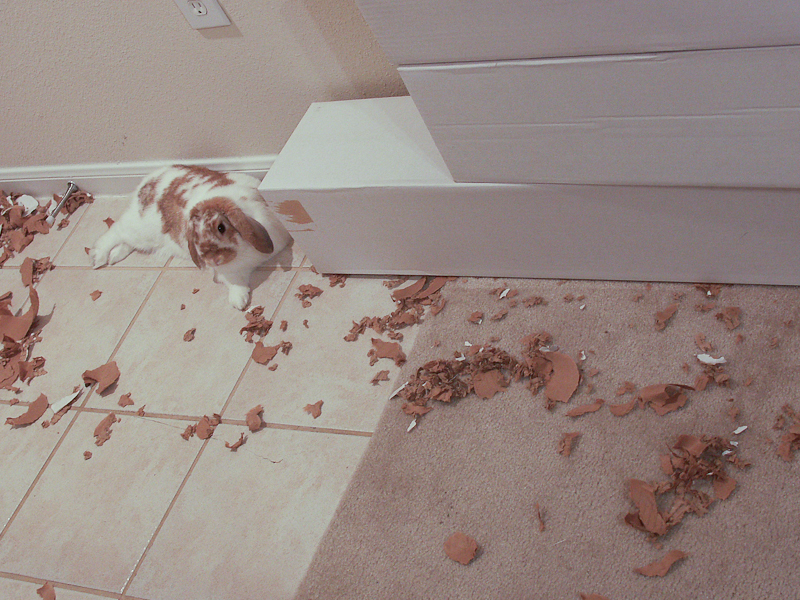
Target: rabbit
(218,220)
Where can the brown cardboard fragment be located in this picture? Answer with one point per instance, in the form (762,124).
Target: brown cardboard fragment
(644,498)
(499,315)
(237,444)
(731,316)
(337,280)
(87,455)
(476,317)
(17,328)
(790,440)
(627,387)
(461,548)
(189,335)
(415,409)
(540,517)
(692,460)
(108,221)
(564,379)
(586,408)
(307,292)
(104,376)
(567,442)
(663,316)
(263,354)
(254,418)
(95,295)
(140,411)
(411,290)
(664,397)
(189,432)
(315,410)
(380,376)
(661,567)
(284,325)
(620,410)
(391,350)
(102,433)
(257,324)
(533,301)
(592,597)
(47,591)
(195,290)
(125,400)
(34,412)
(702,343)
(205,427)
(183,307)
(488,383)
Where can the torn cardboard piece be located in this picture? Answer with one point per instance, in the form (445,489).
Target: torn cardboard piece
(315,410)
(104,376)
(461,548)
(567,442)
(254,418)
(661,567)
(34,412)
(664,397)
(237,444)
(663,316)
(102,433)
(586,408)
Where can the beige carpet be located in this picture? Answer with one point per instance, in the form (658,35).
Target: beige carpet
(480,466)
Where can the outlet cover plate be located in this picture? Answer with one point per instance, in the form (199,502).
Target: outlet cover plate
(214,17)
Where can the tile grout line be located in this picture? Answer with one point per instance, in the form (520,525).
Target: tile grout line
(68,428)
(250,359)
(134,572)
(175,498)
(58,584)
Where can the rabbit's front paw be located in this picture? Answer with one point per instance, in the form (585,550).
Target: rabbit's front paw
(239,296)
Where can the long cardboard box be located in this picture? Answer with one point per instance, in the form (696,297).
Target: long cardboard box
(707,118)
(363,190)
(414,32)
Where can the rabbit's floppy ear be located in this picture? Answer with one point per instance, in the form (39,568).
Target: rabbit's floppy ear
(251,230)
(191,237)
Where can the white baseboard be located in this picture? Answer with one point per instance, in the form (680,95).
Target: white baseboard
(114,178)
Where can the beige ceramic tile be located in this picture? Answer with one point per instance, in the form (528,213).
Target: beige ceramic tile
(244,527)
(78,333)
(288,258)
(49,243)
(88,522)
(23,451)
(92,226)
(12,589)
(171,375)
(321,365)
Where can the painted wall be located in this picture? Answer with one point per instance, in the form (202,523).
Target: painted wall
(86,81)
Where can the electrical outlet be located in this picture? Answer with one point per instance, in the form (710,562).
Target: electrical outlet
(202,14)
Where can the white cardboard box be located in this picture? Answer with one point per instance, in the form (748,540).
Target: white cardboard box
(707,118)
(363,190)
(414,32)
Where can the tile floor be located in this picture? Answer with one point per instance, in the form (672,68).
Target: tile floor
(151,515)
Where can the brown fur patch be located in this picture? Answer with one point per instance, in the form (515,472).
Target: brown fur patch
(147,193)
(213,254)
(209,176)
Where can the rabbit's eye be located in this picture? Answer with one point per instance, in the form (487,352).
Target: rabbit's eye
(221,228)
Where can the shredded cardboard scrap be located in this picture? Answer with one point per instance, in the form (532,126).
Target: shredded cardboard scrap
(391,350)
(315,410)
(586,408)
(189,335)
(663,316)
(411,302)
(337,280)
(102,433)
(565,377)
(488,383)
(254,418)
(31,270)
(47,592)
(263,354)
(661,567)
(104,376)
(237,444)
(206,426)
(692,460)
(476,317)
(18,336)
(790,440)
(731,316)
(307,292)
(125,400)
(664,397)
(461,548)
(380,376)
(567,442)
(257,324)
(34,412)
(620,410)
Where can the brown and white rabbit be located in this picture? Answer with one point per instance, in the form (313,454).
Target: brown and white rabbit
(217,220)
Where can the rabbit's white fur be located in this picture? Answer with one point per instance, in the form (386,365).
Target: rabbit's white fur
(215,219)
